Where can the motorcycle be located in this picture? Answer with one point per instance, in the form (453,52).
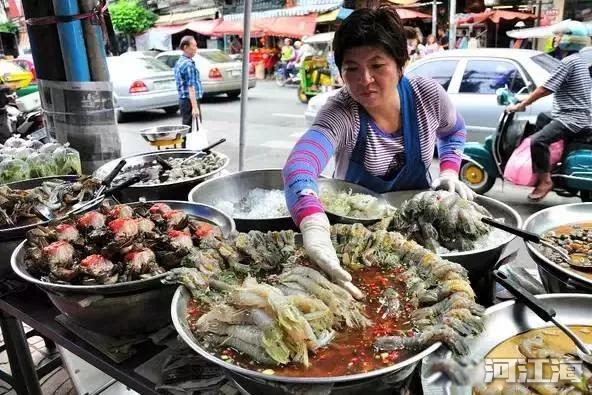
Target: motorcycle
(483,163)
(293,76)
(28,124)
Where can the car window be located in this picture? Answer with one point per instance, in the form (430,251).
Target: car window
(138,64)
(486,76)
(216,56)
(169,60)
(438,70)
(549,63)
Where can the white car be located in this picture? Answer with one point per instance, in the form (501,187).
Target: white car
(471,77)
(218,72)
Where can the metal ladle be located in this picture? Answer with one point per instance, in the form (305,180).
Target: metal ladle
(546,313)
(528,236)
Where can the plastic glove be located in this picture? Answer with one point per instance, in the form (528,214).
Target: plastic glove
(316,235)
(449,181)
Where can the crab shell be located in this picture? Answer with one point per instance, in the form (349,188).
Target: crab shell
(145,225)
(180,239)
(121,211)
(124,227)
(67,232)
(140,258)
(174,217)
(96,265)
(92,219)
(59,252)
(160,208)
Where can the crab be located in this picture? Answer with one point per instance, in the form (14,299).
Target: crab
(91,220)
(98,267)
(140,264)
(180,239)
(122,211)
(67,232)
(124,228)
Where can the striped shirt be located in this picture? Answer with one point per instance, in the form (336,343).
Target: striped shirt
(186,75)
(335,131)
(437,118)
(572,87)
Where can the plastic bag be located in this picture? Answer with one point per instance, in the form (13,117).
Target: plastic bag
(13,170)
(198,138)
(519,167)
(67,160)
(42,165)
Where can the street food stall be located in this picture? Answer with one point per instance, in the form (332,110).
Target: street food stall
(171,276)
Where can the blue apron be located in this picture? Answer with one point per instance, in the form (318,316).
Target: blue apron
(413,174)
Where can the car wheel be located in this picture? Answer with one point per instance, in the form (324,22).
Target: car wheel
(120,116)
(303,97)
(233,94)
(476,178)
(171,109)
(586,196)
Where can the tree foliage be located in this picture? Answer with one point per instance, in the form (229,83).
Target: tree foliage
(129,17)
(9,27)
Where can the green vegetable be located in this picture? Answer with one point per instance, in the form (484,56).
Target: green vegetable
(13,170)
(67,161)
(42,165)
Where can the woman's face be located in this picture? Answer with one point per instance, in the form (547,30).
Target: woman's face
(370,74)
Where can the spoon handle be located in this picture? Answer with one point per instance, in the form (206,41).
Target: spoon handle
(528,236)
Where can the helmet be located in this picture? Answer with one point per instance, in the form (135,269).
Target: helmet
(574,37)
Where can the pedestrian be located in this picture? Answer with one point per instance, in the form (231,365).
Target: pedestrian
(442,38)
(431,45)
(189,86)
(571,85)
(462,42)
(381,128)
(473,42)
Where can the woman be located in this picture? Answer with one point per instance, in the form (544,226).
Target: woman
(432,45)
(381,127)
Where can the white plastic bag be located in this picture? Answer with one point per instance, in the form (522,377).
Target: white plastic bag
(198,138)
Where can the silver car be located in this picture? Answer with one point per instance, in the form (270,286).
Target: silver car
(141,84)
(471,78)
(218,72)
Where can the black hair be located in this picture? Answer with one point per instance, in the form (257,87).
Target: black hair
(185,42)
(381,27)
(472,34)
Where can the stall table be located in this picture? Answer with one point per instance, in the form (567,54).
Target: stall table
(33,307)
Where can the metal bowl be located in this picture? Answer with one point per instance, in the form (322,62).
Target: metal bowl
(164,133)
(477,262)
(199,211)
(506,320)
(121,309)
(167,190)
(234,187)
(179,315)
(335,186)
(10,238)
(557,278)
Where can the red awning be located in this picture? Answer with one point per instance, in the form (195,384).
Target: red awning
(205,28)
(495,16)
(290,26)
(405,13)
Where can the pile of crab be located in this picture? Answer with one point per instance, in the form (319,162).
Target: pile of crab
(18,205)
(114,244)
(260,296)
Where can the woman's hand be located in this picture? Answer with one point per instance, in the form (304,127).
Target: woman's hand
(316,235)
(449,181)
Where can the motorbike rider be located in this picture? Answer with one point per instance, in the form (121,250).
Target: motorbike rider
(294,63)
(287,55)
(571,85)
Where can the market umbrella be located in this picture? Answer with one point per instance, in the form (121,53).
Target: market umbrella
(495,16)
(405,13)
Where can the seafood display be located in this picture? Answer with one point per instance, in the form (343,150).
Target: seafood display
(442,222)
(259,203)
(181,169)
(538,345)
(18,206)
(22,159)
(576,240)
(115,244)
(355,205)
(259,303)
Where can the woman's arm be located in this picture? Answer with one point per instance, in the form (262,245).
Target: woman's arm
(303,167)
(451,142)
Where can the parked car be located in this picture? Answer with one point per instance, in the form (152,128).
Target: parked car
(471,78)
(141,54)
(218,72)
(141,84)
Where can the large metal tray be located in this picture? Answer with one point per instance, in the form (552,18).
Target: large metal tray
(199,211)
(546,220)
(506,320)
(167,190)
(179,315)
